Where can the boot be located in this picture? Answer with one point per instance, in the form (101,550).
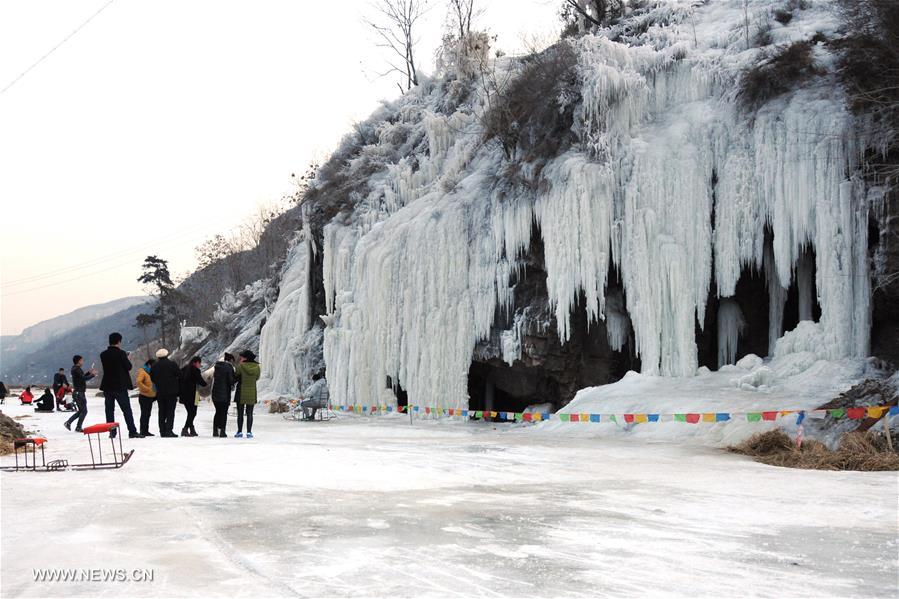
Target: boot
(215,432)
(185,432)
(223,434)
(193,431)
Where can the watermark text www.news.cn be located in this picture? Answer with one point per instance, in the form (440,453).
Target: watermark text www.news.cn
(93,575)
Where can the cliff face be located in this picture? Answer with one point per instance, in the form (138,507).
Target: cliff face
(676,191)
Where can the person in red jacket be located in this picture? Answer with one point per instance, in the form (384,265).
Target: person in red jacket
(26,397)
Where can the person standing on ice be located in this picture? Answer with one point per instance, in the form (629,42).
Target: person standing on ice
(191,378)
(247,372)
(146,397)
(3,392)
(79,382)
(59,382)
(166,377)
(116,383)
(222,384)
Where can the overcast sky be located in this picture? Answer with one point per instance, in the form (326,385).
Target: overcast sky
(162,122)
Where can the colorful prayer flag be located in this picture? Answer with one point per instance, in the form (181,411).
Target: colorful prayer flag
(876,412)
(856,413)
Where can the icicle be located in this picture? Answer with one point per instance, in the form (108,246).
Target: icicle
(730,329)
(777,299)
(618,324)
(280,349)
(804,282)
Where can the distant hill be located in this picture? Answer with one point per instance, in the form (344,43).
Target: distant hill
(33,356)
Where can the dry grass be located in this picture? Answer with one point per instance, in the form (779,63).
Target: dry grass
(781,70)
(857,451)
(6,447)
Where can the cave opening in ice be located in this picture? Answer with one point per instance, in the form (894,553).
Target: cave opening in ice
(543,368)
(766,311)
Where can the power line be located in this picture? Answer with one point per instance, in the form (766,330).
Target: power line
(54,48)
(78,278)
(65,270)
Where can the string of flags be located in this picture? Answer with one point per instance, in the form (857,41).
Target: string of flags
(855,413)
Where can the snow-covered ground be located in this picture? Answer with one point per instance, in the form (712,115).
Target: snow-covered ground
(371,506)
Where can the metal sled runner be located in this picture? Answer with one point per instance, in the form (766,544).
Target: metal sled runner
(119,457)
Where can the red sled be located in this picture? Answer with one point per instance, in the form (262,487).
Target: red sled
(119,457)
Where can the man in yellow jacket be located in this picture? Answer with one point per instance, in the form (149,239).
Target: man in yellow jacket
(146,398)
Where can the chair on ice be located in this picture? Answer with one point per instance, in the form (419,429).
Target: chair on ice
(318,399)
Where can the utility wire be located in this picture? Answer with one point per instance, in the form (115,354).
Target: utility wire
(77,278)
(54,48)
(64,270)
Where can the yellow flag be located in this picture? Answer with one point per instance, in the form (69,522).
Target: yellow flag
(876,412)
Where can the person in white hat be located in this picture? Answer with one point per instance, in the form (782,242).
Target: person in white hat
(165,375)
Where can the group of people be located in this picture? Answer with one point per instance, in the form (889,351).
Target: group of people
(159,381)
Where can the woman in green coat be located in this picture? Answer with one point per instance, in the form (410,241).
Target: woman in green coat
(247,371)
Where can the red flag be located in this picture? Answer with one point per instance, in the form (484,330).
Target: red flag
(692,418)
(769,415)
(628,417)
(575,418)
(856,413)
(528,417)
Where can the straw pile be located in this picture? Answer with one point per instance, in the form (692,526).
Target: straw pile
(866,451)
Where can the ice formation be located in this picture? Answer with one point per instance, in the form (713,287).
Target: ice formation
(673,184)
(730,328)
(283,344)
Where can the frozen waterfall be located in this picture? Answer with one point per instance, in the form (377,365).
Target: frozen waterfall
(673,184)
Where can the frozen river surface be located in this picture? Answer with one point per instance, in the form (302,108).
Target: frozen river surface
(375,507)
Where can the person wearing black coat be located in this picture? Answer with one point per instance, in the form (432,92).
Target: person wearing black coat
(79,384)
(3,392)
(166,377)
(222,384)
(44,402)
(60,381)
(116,383)
(191,378)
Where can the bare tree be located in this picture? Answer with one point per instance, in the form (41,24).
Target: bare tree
(589,14)
(394,25)
(461,14)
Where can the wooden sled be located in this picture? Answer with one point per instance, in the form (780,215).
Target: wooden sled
(119,457)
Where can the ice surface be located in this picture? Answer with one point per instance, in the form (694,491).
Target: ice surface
(364,506)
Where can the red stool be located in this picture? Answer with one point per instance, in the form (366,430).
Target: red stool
(33,443)
(118,457)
